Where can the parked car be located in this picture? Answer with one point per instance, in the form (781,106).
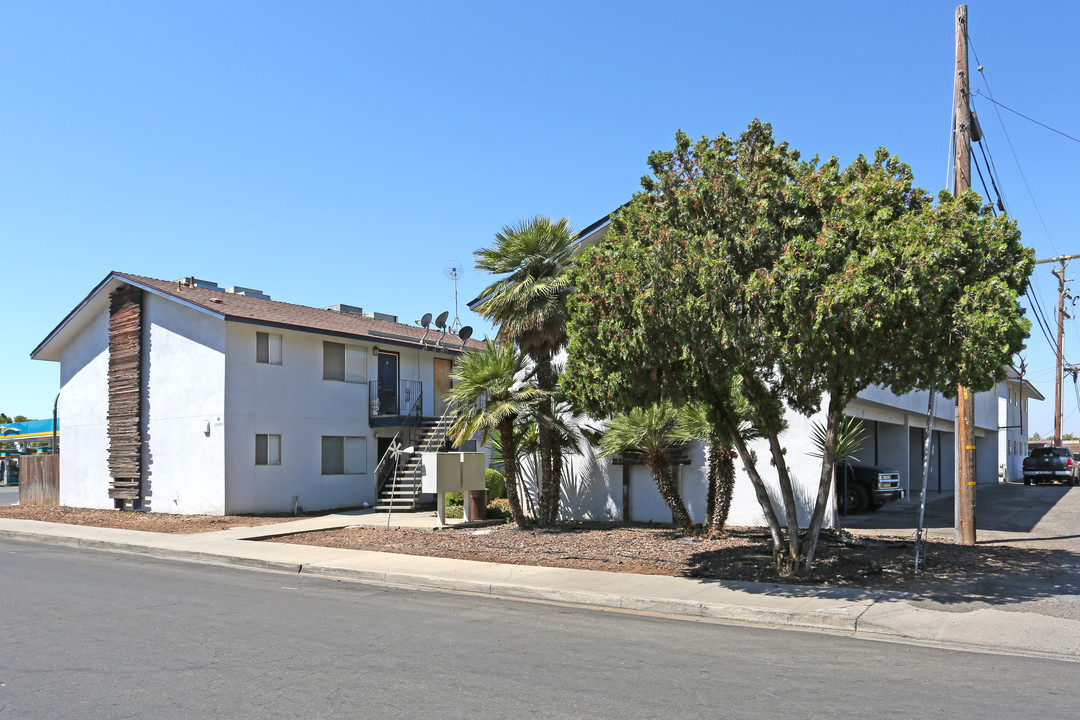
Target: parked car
(863,487)
(1051,464)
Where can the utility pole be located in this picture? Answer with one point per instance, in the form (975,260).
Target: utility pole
(964,509)
(1059,273)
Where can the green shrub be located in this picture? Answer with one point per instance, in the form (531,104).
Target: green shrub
(496,484)
(455,498)
(499,508)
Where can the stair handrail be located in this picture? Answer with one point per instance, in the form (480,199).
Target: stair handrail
(412,422)
(434,441)
(388,462)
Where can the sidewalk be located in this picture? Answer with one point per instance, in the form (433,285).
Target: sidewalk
(860,613)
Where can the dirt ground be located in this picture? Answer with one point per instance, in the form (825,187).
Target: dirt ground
(151,522)
(740,554)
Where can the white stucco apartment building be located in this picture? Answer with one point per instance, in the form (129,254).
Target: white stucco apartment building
(231,402)
(895,439)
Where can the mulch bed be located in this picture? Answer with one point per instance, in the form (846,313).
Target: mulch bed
(739,554)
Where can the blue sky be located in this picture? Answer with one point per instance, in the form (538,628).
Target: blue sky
(345,152)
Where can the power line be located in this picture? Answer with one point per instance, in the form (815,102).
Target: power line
(1041,320)
(1000,204)
(1031,119)
(1008,139)
(986,188)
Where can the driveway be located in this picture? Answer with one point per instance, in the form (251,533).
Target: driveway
(1043,516)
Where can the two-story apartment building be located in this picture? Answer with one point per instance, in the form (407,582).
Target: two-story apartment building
(185,397)
(895,434)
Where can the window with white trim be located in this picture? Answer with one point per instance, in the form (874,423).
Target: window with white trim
(344,455)
(267,449)
(345,363)
(268,348)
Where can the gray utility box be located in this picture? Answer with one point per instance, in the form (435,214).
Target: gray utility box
(443,472)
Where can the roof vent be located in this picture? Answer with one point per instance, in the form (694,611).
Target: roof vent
(343,308)
(247,292)
(381,316)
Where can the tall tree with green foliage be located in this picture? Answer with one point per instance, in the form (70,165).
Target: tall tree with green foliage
(741,266)
(488,394)
(654,433)
(663,307)
(528,303)
(892,290)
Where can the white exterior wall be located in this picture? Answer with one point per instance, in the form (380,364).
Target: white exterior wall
(1012,442)
(293,401)
(184,376)
(593,488)
(84,366)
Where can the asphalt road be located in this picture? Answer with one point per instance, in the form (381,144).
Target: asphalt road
(102,635)
(9,495)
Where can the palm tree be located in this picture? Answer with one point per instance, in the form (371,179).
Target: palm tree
(529,305)
(655,433)
(721,479)
(486,398)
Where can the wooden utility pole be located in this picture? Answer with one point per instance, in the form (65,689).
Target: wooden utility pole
(1059,273)
(964,509)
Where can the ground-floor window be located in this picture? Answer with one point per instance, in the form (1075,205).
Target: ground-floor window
(344,455)
(267,449)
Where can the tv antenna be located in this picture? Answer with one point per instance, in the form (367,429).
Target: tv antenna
(453,270)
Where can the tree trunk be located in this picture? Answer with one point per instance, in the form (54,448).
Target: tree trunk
(713,482)
(791,513)
(758,396)
(825,483)
(557,473)
(721,486)
(506,433)
(665,483)
(780,545)
(549,481)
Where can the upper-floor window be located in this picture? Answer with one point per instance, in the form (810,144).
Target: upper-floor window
(268,348)
(346,363)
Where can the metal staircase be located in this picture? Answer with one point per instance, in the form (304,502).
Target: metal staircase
(398,472)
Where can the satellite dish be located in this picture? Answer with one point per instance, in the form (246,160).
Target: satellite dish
(440,322)
(465,333)
(425,322)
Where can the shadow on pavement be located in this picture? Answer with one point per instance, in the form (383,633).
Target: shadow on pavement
(1001,507)
(952,575)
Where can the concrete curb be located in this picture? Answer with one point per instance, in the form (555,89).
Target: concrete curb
(872,615)
(820,620)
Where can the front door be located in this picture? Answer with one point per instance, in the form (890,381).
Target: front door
(442,383)
(388,383)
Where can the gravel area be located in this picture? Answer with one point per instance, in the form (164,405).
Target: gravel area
(127,520)
(885,563)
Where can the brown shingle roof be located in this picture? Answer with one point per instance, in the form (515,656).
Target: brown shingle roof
(245,308)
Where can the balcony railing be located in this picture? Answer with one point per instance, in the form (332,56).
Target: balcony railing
(405,397)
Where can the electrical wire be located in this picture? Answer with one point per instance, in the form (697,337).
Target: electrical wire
(1041,320)
(986,188)
(1008,139)
(1017,112)
(1000,204)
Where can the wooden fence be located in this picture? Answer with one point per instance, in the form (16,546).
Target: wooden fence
(39,480)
